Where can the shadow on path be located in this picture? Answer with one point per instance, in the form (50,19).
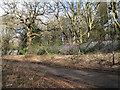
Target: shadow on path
(102,80)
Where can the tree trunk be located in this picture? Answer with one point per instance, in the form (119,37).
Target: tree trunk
(29,39)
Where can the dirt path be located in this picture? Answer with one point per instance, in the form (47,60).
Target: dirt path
(93,78)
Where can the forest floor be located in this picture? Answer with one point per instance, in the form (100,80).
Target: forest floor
(60,71)
(28,75)
(97,62)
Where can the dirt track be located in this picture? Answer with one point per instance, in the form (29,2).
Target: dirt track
(93,78)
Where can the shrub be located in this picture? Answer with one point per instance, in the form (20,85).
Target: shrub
(55,51)
(73,51)
(23,51)
(41,52)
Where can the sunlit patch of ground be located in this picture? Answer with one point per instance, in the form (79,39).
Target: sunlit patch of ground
(99,61)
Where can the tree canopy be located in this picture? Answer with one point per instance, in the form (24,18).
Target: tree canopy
(59,23)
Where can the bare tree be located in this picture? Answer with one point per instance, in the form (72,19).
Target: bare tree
(27,14)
